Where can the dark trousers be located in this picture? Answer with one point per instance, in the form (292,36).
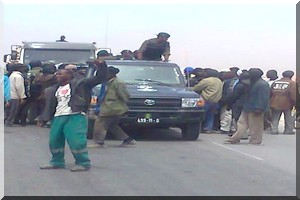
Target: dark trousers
(108,123)
(6,111)
(236,113)
(210,110)
(288,121)
(23,111)
(13,111)
(36,109)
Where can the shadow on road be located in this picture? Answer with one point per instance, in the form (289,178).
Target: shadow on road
(139,134)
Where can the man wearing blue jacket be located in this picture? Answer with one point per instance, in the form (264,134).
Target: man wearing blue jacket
(252,116)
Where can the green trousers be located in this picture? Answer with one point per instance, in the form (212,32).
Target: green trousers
(72,128)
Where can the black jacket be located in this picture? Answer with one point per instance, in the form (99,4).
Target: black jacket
(80,94)
(239,95)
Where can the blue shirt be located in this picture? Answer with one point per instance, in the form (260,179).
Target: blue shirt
(100,97)
(7,96)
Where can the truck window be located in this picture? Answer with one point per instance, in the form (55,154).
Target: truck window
(134,74)
(58,55)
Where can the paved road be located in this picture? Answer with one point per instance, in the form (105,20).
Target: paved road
(161,164)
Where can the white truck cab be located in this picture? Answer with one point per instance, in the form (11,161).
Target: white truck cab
(55,52)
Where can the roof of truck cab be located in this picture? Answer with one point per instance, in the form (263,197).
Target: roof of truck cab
(59,45)
(140,62)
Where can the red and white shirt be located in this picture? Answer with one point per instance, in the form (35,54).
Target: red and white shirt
(63,95)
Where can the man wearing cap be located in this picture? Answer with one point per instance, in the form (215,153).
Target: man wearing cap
(35,67)
(62,39)
(24,108)
(255,105)
(17,91)
(126,55)
(198,76)
(66,106)
(272,76)
(188,75)
(236,100)
(104,55)
(283,98)
(210,88)
(234,70)
(229,81)
(155,48)
(113,105)
(44,80)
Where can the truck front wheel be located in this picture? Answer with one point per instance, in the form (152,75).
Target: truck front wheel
(191,131)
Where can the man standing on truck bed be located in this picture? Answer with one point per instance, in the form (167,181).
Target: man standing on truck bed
(154,48)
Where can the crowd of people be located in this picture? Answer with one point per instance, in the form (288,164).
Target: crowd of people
(24,91)
(44,92)
(240,103)
(41,93)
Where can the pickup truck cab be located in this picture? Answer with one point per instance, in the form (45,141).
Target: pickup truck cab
(158,97)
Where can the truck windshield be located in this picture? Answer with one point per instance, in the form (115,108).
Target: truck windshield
(58,55)
(161,75)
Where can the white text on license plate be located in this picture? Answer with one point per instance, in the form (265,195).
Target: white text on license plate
(147,120)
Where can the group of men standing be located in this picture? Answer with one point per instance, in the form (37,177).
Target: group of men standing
(241,103)
(23,92)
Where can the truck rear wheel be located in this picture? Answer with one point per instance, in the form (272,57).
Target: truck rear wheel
(191,131)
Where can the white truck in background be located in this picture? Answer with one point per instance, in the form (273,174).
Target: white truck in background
(54,52)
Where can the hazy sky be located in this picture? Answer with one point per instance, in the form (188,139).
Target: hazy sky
(202,35)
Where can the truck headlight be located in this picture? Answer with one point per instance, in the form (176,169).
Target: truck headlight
(192,102)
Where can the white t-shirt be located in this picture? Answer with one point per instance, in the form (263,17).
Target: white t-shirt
(63,95)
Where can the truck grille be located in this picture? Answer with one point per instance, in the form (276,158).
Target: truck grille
(139,103)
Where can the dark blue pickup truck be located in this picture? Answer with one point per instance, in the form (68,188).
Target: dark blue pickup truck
(158,97)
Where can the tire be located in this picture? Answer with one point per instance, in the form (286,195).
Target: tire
(191,131)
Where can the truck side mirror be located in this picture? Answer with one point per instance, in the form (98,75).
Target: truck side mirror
(14,55)
(5,58)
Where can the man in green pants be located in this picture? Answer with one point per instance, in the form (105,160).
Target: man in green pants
(66,105)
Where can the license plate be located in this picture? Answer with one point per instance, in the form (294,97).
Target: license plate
(147,120)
